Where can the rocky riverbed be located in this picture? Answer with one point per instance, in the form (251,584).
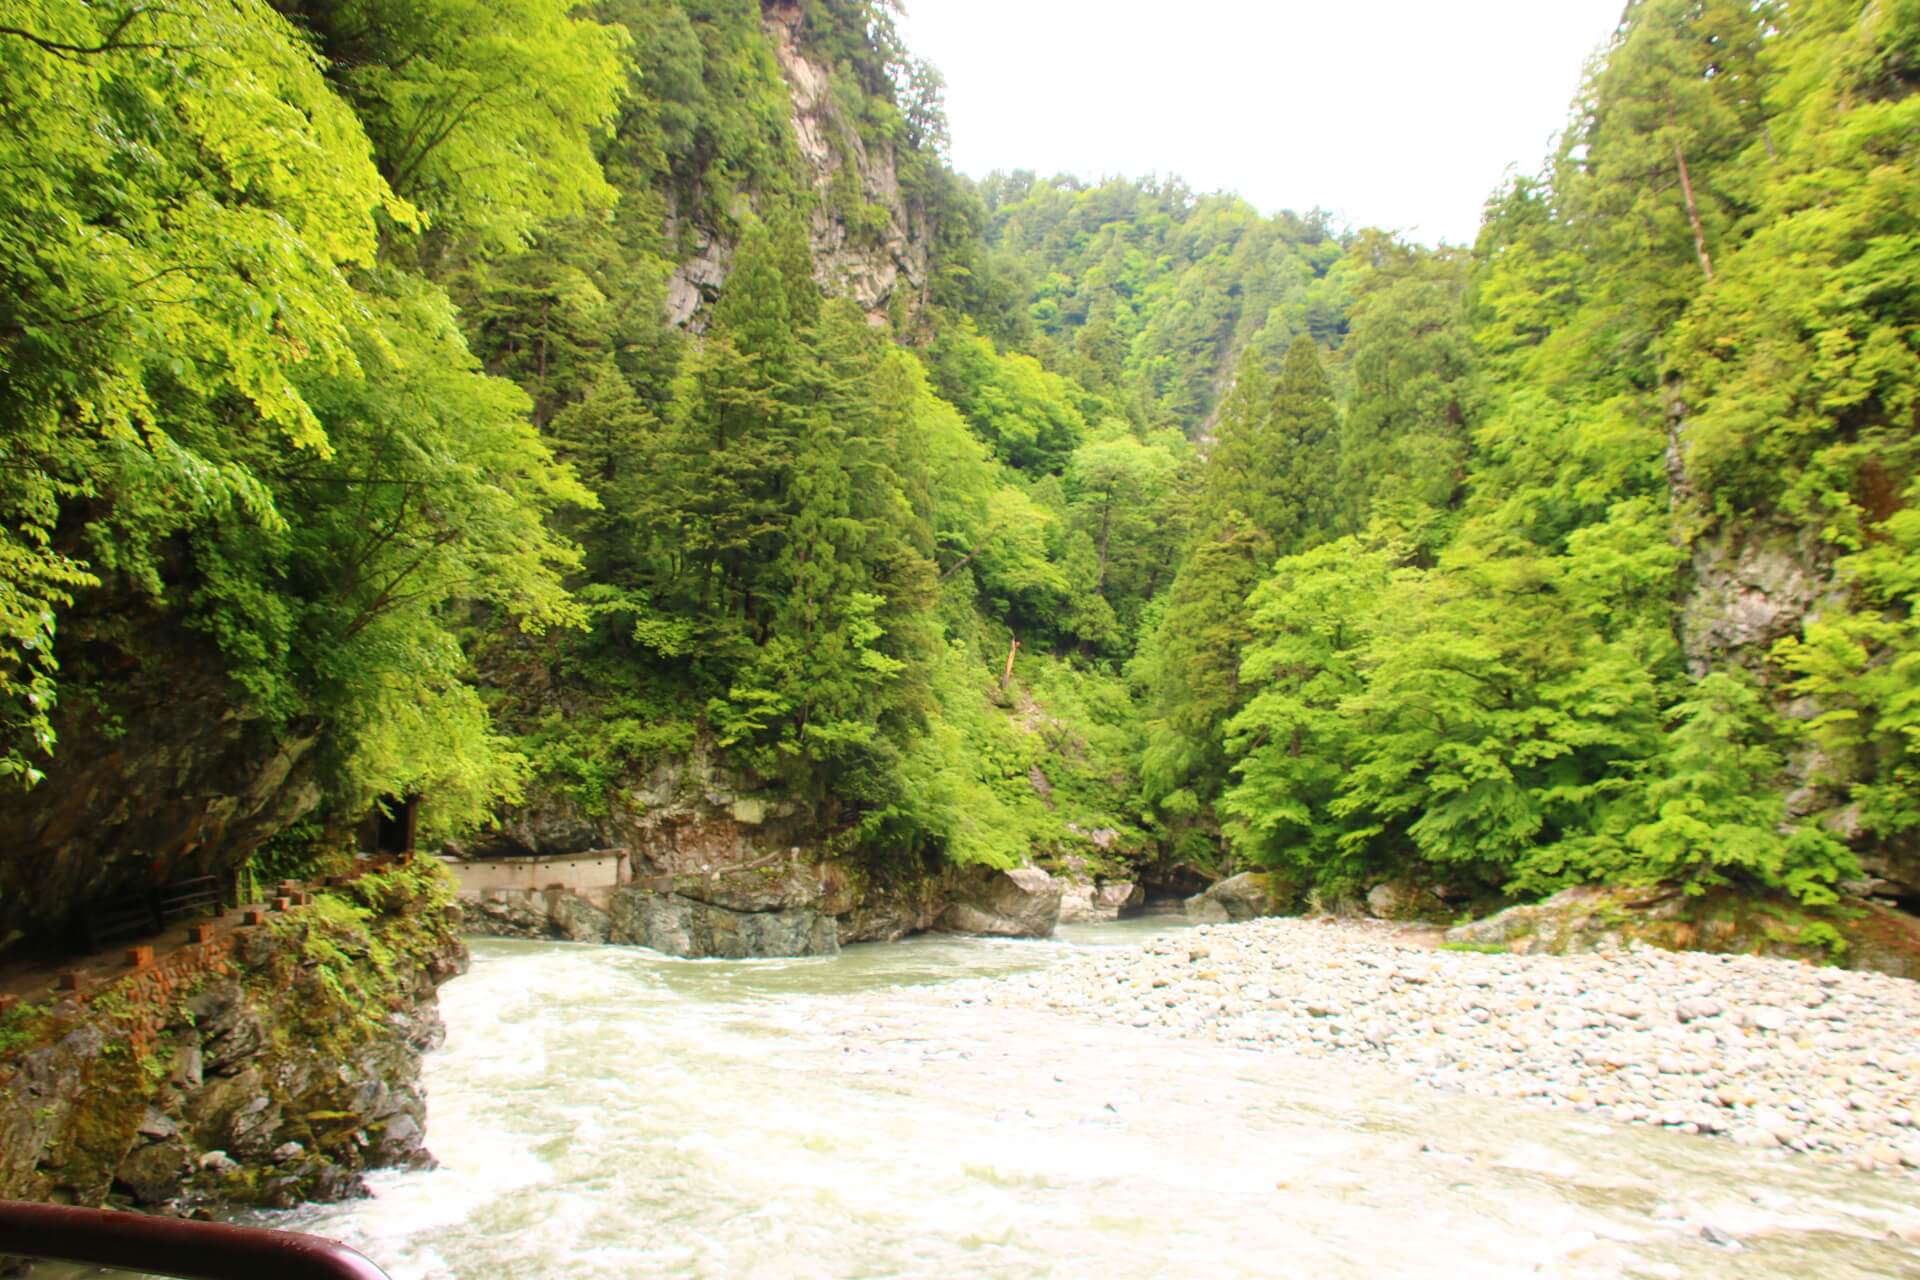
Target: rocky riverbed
(1773,1054)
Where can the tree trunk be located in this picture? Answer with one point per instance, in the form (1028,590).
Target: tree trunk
(1693,209)
(967,559)
(1106,532)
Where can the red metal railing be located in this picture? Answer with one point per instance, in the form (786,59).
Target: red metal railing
(174,1246)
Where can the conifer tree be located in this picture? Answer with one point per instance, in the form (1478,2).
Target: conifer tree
(1305,427)
(1191,667)
(1403,444)
(727,460)
(1241,462)
(1680,94)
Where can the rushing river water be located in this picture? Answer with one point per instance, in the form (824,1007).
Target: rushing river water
(608,1113)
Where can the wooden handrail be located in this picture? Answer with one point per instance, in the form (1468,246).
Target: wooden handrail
(174,1246)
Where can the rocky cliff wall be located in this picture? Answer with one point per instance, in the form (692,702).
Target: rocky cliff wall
(180,779)
(272,1064)
(1752,583)
(871,241)
(798,908)
(683,816)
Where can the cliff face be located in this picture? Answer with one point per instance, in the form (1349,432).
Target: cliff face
(869,242)
(870,239)
(179,779)
(1753,583)
(271,1064)
(1752,587)
(686,816)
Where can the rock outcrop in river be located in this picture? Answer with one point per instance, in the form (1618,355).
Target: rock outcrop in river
(1243,897)
(1858,934)
(776,907)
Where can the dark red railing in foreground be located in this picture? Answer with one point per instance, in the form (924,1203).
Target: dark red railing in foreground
(174,1246)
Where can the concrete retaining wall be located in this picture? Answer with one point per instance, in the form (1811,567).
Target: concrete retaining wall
(576,872)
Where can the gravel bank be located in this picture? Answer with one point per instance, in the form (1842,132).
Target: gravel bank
(1769,1053)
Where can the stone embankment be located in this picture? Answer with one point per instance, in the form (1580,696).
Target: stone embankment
(1770,1053)
(263,1064)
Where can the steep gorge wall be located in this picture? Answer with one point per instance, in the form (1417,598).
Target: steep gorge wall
(871,241)
(1752,583)
(162,772)
(717,865)
(796,907)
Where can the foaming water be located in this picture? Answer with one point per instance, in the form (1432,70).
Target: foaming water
(607,1112)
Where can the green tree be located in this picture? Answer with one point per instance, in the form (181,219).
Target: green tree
(1678,96)
(1243,465)
(156,247)
(1295,741)
(1403,447)
(1305,451)
(1718,816)
(1191,667)
(1026,414)
(1121,494)
(1860,663)
(480,114)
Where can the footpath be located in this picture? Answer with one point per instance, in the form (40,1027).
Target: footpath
(76,974)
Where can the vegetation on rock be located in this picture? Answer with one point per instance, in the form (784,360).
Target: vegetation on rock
(269,1066)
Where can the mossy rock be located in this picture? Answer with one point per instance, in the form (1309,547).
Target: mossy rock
(1246,896)
(1593,918)
(101,1126)
(329,1009)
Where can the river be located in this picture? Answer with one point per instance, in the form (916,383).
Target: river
(605,1112)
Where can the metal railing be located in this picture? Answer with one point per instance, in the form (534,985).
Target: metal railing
(173,1246)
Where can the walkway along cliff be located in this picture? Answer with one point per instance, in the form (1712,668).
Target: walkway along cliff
(264,1062)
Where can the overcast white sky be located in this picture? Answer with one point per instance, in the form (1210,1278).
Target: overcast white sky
(1395,113)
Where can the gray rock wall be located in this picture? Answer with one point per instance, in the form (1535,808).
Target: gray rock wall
(182,782)
(789,907)
(854,257)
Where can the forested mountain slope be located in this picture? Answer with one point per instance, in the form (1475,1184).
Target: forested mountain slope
(547,411)
(1654,635)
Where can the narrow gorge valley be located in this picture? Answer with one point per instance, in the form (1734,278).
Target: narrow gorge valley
(609,668)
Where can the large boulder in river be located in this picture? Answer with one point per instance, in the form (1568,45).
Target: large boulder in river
(553,912)
(1406,900)
(679,926)
(575,918)
(781,883)
(1021,903)
(1244,897)
(1084,902)
(870,907)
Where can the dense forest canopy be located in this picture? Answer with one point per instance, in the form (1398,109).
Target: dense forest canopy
(340,372)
